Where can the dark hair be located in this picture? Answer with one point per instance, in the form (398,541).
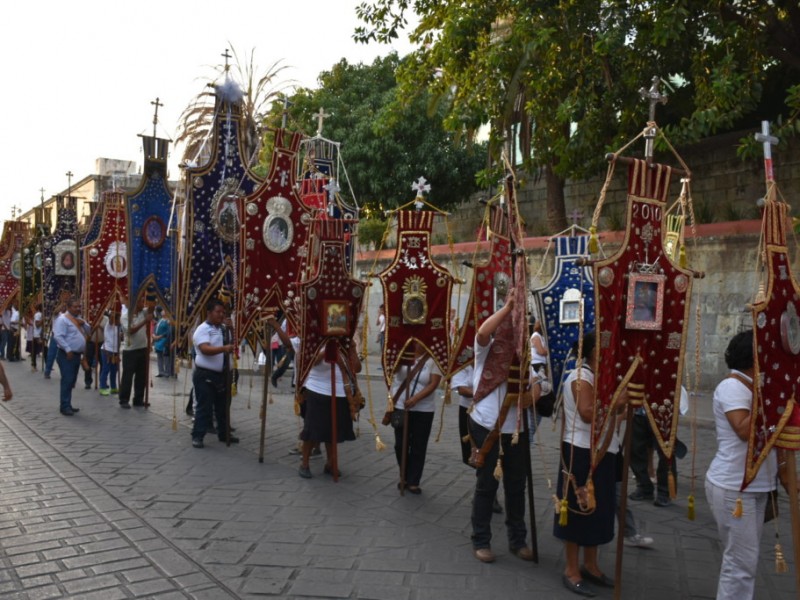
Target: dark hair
(739,354)
(589,340)
(214,303)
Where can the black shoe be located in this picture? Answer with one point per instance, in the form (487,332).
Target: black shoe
(138,403)
(88,386)
(579,587)
(662,502)
(67,412)
(602,580)
(233,440)
(274,381)
(641,495)
(496,508)
(75,410)
(197,443)
(124,405)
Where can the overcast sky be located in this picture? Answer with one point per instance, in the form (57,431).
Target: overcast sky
(80,76)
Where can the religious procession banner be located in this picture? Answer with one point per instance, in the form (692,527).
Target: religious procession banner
(31,284)
(211,256)
(776,327)
(106,261)
(15,237)
(642,302)
(151,248)
(274,243)
(60,259)
(416,292)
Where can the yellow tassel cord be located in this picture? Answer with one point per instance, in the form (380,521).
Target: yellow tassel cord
(690,507)
(174,423)
(683,261)
(498,469)
(673,491)
(465,439)
(592,503)
(379,445)
(562,517)
(738,511)
(780,560)
(594,245)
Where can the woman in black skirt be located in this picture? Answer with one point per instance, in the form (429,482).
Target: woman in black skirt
(584,528)
(317,410)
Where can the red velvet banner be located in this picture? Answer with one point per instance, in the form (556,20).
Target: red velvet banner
(776,327)
(15,237)
(642,302)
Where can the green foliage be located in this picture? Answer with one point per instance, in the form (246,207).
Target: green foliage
(371,232)
(567,75)
(387,142)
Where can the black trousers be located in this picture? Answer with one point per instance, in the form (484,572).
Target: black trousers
(134,374)
(419,431)
(642,439)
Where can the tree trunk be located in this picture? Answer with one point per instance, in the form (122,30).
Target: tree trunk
(556,211)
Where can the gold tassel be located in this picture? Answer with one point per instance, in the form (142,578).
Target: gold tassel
(498,470)
(562,517)
(780,561)
(234,389)
(515,438)
(174,423)
(682,260)
(465,439)
(738,511)
(296,407)
(590,500)
(594,245)
(673,492)
(379,445)
(690,507)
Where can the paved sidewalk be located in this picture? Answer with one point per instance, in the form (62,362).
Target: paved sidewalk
(114,503)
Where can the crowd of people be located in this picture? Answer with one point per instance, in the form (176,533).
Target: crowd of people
(495,423)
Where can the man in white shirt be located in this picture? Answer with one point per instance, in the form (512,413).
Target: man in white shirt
(134,354)
(36,342)
(69,331)
(12,350)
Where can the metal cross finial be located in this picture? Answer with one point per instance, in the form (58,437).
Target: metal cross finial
(226,56)
(41,192)
(321,116)
(575,216)
(654,96)
(155,103)
(333,188)
(69,175)
(14,212)
(421,186)
(767,140)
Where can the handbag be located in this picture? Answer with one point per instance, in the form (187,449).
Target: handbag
(396,418)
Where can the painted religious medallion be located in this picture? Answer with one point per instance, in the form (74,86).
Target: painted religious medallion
(65,253)
(225,208)
(116,259)
(278,230)
(154,232)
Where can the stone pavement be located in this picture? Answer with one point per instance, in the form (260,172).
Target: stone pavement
(114,503)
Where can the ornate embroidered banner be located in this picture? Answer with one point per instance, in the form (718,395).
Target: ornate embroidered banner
(60,258)
(776,328)
(15,237)
(276,225)
(416,292)
(151,249)
(105,261)
(642,302)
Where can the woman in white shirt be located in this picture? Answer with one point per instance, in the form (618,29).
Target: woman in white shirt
(739,535)
(418,399)
(585,529)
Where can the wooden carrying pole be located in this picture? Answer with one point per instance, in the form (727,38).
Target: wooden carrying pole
(265,391)
(529,482)
(794,509)
(623,499)
(331,354)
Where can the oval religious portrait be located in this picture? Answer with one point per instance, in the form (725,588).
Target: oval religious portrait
(154,232)
(278,233)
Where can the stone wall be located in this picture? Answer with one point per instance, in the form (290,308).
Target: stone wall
(724,188)
(727,259)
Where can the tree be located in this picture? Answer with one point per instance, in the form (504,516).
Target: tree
(259,90)
(385,150)
(564,77)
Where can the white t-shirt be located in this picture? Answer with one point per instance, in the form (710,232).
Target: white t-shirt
(206,333)
(420,380)
(319,376)
(463,378)
(576,432)
(381,323)
(14,319)
(486,412)
(111,337)
(536,358)
(138,339)
(727,468)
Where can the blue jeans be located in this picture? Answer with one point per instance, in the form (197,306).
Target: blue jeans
(51,356)
(69,375)
(108,369)
(513,461)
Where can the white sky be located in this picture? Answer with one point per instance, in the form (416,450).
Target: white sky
(80,76)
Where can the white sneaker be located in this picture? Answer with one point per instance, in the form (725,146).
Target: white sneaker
(638,541)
